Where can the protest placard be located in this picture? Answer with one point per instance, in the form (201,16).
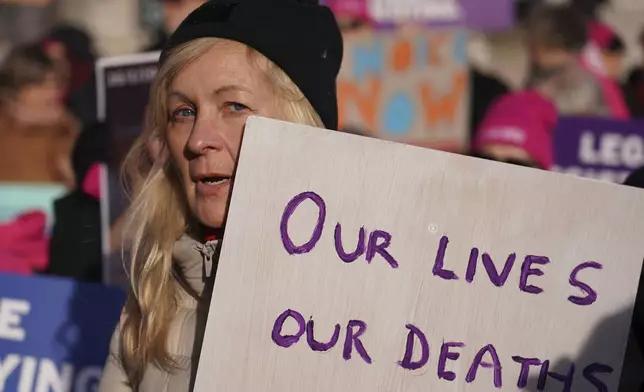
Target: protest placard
(123,89)
(602,149)
(408,85)
(374,266)
(54,333)
(473,14)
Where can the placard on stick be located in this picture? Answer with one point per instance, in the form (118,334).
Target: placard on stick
(374,266)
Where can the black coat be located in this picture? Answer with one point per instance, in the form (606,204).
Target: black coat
(75,248)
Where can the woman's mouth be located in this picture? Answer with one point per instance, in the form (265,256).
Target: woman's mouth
(214,180)
(213,185)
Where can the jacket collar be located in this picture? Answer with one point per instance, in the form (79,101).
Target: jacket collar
(195,261)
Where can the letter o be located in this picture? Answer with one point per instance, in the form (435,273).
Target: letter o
(292,205)
(288,340)
(398,116)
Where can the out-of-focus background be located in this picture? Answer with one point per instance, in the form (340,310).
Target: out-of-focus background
(125,26)
(552,85)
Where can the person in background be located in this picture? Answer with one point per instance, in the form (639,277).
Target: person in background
(557,36)
(75,249)
(72,51)
(484,90)
(611,47)
(37,133)
(174,12)
(518,129)
(24,244)
(602,57)
(225,62)
(634,85)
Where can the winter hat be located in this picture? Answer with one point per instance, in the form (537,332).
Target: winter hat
(524,119)
(605,38)
(299,36)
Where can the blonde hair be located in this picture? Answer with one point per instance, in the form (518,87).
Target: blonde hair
(159,216)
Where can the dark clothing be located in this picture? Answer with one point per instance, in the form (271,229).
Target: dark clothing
(636,179)
(634,92)
(75,249)
(76,240)
(82,101)
(485,89)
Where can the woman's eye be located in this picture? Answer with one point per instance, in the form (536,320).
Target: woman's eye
(236,106)
(182,114)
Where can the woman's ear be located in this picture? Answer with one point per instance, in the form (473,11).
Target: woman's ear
(156,150)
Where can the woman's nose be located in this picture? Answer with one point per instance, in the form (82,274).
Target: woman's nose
(205,136)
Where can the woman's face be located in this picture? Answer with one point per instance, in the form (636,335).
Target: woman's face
(39,104)
(208,104)
(613,65)
(545,57)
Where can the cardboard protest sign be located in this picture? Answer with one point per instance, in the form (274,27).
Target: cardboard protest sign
(54,333)
(123,88)
(598,148)
(374,266)
(408,85)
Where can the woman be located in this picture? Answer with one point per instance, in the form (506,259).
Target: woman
(557,37)
(72,51)
(226,61)
(37,134)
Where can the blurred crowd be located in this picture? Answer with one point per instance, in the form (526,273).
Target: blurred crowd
(49,131)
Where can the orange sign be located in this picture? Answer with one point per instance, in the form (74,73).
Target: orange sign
(409,86)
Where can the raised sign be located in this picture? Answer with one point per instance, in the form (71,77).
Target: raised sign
(410,86)
(603,149)
(54,333)
(374,266)
(123,89)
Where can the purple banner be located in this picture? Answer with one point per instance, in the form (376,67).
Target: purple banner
(488,15)
(474,14)
(602,149)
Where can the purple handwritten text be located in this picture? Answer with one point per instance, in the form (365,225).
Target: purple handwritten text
(478,361)
(353,339)
(444,356)
(591,295)
(527,271)
(440,259)
(407,362)
(288,340)
(292,205)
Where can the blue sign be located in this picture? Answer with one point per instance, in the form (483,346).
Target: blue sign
(54,333)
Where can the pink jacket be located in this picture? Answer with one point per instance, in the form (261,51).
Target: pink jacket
(24,246)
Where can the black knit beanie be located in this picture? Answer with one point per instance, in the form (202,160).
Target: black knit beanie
(299,36)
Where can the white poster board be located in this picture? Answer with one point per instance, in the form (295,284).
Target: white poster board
(469,275)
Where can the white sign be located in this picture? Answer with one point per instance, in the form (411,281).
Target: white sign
(374,266)
(419,10)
